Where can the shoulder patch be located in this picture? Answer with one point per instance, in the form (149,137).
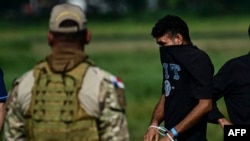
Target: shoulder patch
(117,82)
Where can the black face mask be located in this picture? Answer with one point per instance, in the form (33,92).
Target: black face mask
(171,46)
(165,49)
(178,52)
(163,54)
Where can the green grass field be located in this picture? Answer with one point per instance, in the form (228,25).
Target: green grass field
(126,49)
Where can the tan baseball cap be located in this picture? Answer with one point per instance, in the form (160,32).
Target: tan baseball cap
(66,11)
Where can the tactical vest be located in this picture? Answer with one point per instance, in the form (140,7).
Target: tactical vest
(55,113)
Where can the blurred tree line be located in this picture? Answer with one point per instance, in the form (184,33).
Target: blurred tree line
(203,7)
(121,7)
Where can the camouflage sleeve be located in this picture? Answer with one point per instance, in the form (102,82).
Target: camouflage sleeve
(13,124)
(113,123)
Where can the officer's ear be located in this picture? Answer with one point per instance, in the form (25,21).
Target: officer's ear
(50,38)
(87,37)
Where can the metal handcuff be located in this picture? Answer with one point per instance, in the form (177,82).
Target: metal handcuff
(163,131)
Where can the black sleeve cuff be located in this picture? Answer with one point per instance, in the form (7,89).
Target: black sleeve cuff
(214,114)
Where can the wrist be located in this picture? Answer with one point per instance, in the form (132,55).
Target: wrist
(153,126)
(168,134)
(174,132)
(220,120)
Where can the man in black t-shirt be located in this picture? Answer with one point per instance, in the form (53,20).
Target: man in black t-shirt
(186,87)
(233,83)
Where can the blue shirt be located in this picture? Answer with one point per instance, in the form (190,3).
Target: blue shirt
(3,92)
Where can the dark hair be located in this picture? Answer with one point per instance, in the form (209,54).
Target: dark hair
(70,37)
(172,25)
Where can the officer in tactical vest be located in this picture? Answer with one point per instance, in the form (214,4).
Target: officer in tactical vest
(65,97)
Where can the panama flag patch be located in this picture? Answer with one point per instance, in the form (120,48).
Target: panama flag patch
(117,82)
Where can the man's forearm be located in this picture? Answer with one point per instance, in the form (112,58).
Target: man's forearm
(158,114)
(2,114)
(200,110)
